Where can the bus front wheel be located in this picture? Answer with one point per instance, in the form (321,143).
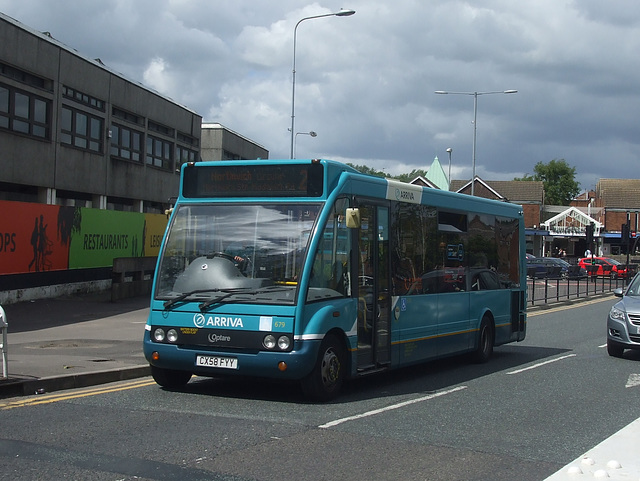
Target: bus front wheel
(170,378)
(326,378)
(485,341)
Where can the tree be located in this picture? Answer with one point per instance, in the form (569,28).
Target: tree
(367,170)
(378,173)
(560,186)
(411,175)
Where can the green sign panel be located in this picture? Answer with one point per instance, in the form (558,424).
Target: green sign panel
(105,235)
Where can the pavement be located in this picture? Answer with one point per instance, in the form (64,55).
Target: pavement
(75,342)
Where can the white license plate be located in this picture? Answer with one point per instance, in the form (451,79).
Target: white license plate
(217,361)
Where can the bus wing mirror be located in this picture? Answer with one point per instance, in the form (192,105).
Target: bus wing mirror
(353,218)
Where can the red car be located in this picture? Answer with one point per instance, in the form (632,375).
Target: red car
(605,264)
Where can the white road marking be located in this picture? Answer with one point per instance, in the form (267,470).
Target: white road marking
(390,408)
(634,380)
(541,364)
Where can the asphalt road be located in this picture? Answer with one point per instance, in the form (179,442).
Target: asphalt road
(536,406)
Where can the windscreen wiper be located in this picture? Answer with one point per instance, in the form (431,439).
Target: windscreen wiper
(230,292)
(184,295)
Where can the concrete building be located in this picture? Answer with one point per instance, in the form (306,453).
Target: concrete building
(74,132)
(221,143)
(89,161)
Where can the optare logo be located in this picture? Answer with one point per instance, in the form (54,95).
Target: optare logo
(199,320)
(213,338)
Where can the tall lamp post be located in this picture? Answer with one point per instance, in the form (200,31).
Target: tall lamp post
(449,150)
(341,13)
(475,116)
(311,133)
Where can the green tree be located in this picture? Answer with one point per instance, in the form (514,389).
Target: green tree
(378,173)
(411,175)
(560,186)
(368,170)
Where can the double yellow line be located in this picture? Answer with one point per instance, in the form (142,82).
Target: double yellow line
(52,398)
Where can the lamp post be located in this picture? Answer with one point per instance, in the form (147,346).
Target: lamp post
(311,133)
(475,116)
(341,13)
(449,150)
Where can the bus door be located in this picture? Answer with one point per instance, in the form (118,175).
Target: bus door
(373,287)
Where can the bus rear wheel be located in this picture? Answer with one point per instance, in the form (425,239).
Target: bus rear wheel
(484,351)
(170,378)
(326,378)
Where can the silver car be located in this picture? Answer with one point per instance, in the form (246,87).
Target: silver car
(623,322)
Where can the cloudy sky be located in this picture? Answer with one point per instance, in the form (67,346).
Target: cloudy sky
(365,83)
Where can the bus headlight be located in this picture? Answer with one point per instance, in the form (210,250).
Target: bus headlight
(158,335)
(284,342)
(172,335)
(269,341)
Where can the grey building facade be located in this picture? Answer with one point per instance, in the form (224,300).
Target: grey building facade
(221,143)
(73,132)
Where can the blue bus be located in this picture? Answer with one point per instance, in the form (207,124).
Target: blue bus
(308,270)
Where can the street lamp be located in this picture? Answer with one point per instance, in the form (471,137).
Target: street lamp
(311,133)
(341,13)
(449,150)
(475,116)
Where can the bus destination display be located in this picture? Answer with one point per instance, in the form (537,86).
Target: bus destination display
(295,180)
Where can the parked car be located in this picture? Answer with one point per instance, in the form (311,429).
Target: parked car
(614,268)
(547,267)
(623,322)
(554,267)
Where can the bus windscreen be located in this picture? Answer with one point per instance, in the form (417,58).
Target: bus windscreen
(233,180)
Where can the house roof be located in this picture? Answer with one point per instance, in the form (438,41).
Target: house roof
(437,176)
(419,180)
(619,193)
(511,190)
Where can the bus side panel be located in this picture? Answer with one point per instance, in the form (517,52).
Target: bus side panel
(499,302)
(339,316)
(454,325)
(415,328)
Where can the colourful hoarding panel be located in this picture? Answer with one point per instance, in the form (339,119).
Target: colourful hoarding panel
(105,235)
(155,225)
(40,237)
(34,237)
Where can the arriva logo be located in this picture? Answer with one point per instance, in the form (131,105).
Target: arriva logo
(200,321)
(405,195)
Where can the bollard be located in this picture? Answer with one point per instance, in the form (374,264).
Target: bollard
(4,325)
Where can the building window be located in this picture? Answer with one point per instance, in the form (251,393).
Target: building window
(161,129)
(81,130)
(126,143)
(24,113)
(159,152)
(83,98)
(25,77)
(184,155)
(227,155)
(187,139)
(129,117)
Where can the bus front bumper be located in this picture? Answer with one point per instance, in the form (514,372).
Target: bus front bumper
(293,365)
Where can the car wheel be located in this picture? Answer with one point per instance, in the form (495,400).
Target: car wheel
(170,378)
(613,349)
(484,351)
(326,378)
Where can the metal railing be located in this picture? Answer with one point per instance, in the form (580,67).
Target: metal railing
(549,286)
